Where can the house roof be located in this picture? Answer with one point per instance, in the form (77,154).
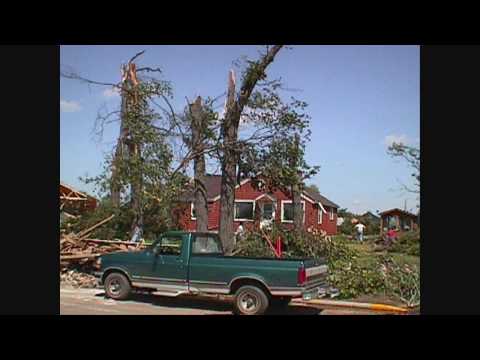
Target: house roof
(369,213)
(213,184)
(321,199)
(397,210)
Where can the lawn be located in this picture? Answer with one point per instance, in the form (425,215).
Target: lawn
(368,254)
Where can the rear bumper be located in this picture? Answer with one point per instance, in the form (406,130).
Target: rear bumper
(318,292)
(308,292)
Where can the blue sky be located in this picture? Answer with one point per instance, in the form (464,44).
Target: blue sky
(360,99)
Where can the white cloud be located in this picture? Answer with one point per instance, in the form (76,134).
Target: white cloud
(69,106)
(111,92)
(356,202)
(398,139)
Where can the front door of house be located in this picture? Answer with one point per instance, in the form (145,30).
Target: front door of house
(267,214)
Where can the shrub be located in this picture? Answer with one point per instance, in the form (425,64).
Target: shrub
(401,281)
(156,221)
(407,243)
(346,273)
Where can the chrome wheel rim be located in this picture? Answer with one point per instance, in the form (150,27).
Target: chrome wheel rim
(114,287)
(248,302)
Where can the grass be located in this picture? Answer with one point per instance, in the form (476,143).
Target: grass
(368,254)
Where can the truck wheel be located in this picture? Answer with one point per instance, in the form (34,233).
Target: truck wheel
(117,286)
(250,300)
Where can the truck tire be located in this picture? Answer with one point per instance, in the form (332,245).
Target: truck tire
(250,300)
(117,286)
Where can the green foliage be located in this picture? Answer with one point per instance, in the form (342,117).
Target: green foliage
(347,227)
(401,280)
(407,243)
(276,148)
(348,272)
(149,168)
(117,228)
(157,219)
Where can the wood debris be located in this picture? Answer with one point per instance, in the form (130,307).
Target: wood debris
(77,279)
(76,251)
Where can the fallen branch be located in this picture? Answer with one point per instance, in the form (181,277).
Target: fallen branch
(116,242)
(83,233)
(82,256)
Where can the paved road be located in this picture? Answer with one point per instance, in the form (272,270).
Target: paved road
(93,302)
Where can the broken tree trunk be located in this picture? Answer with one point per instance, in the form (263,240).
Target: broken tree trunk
(114,181)
(229,169)
(198,146)
(230,124)
(298,211)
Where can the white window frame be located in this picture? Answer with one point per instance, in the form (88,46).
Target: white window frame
(191,212)
(274,207)
(235,211)
(331,214)
(290,202)
(320,215)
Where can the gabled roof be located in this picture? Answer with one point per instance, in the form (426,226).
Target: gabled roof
(397,210)
(321,199)
(213,185)
(369,213)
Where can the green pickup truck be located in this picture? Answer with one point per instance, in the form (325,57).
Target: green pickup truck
(180,263)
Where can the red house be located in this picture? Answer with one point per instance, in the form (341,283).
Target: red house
(254,207)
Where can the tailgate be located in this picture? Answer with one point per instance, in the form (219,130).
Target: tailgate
(316,272)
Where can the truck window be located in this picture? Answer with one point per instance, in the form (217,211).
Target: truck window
(206,244)
(169,245)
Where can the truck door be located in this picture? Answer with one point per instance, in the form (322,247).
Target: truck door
(169,267)
(207,270)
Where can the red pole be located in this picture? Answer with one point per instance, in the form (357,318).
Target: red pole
(279,246)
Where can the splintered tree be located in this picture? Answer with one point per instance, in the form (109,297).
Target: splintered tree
(229,133)
(139,173)
(297,186)
(201,118)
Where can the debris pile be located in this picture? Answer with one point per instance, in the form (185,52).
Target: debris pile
(77,251)
(77,279)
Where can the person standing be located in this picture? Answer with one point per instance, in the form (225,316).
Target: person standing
(239,233)
(360,228)
(391,234)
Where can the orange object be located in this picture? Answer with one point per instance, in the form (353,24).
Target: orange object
(353,305)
